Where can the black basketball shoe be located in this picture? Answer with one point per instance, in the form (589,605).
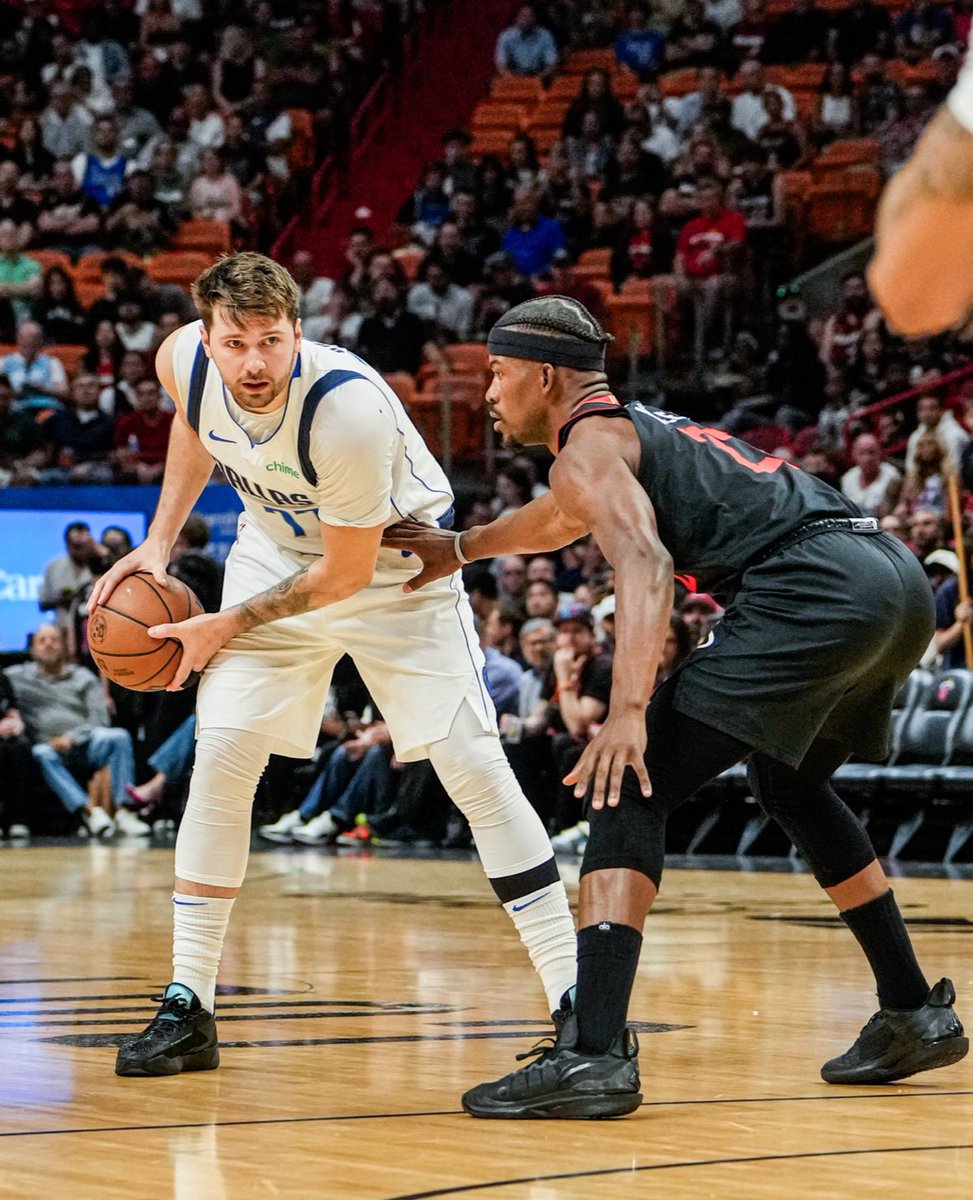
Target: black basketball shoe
(563,1083)
(180,1037)
(900,1042)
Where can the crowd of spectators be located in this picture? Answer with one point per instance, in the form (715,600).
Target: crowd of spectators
(683,188)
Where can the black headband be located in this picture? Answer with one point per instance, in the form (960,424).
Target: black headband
(511,343)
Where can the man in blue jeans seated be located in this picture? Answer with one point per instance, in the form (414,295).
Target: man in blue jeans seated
(64,708)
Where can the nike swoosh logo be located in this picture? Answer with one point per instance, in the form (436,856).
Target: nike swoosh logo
(521,907)
(216,437)
(190,903)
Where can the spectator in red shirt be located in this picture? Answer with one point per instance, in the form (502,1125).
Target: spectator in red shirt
(142,436)
(708,263)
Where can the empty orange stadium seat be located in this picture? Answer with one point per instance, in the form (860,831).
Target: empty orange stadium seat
(498,116)
(625,85)
(302,154)
(211,237)
(467,358)
(679,83)
(600,256)
(46,259)
(632,320)
(490,141)
(177,266)
(838,213)
(404,386)
(853,150)
(88,291)
(516,89)
(565,88)
(544,136)
(70,356)
(580,61)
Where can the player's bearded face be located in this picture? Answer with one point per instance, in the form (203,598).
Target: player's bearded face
(256,360)
(514,402)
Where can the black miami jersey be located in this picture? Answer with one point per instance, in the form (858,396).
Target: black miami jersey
(720,504)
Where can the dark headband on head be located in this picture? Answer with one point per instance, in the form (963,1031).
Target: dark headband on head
(559,352)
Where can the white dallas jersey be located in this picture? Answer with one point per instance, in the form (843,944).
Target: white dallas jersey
(341,451)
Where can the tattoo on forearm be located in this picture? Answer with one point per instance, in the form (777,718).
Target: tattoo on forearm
(282,600)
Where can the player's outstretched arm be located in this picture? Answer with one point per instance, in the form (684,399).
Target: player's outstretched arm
(922,271)
(627,534)
(188,469)
(539,526)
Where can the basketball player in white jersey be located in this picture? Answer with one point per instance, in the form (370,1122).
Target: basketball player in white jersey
(324,457)
(922,272)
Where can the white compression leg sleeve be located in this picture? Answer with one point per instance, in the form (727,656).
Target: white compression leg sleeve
(212,848)
(214,837)
(514,849)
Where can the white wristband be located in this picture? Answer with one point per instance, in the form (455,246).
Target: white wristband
(458,549)
(960,99)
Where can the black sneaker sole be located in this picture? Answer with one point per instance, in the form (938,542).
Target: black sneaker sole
(927,1058)
(201,1060)
(563,1108)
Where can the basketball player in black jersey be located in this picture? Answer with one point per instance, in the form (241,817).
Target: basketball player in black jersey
(828,616)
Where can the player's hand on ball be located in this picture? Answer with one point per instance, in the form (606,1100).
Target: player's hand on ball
(149,557)
(200,636)
(620,743)
(434,546)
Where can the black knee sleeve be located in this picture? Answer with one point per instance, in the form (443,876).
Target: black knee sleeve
(631,836)
(825,831)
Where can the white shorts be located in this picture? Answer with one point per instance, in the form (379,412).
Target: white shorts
(418,655)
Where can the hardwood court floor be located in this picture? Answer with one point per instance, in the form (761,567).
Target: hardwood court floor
(363,993)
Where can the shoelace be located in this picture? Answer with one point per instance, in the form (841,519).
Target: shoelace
(539,1051)
(173,1009)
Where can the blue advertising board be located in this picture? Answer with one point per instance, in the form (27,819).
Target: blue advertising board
(32,524)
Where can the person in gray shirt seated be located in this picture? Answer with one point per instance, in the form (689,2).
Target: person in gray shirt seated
(66,714)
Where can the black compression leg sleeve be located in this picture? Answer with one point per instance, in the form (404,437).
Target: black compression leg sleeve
(805,805)
(682,755)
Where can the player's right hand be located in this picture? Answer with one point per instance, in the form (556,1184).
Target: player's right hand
(150,556)
(434,546)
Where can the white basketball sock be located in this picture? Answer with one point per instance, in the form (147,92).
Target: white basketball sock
(198,929)
(512,845)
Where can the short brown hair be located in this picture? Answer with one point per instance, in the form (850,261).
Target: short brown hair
(246,286)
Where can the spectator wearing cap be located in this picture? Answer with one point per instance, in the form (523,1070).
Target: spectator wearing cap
(871,484)
(699,612)
(38,379)
(531,238)
(578,690)
(952,614)
(526,47)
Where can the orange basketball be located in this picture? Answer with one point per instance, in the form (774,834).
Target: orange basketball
(118,636)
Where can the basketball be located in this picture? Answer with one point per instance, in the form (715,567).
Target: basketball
(118,636)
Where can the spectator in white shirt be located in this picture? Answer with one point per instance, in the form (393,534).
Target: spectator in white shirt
(206,129)
(315,289)
(447,307)
(935,418)
(871,483)
(748,113)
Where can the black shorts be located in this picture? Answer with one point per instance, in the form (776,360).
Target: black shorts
(815,644)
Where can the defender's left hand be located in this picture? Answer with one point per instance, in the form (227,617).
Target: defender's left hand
(620,743)
(200,636)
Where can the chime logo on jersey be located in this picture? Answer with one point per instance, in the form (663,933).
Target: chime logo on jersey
(271,496)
